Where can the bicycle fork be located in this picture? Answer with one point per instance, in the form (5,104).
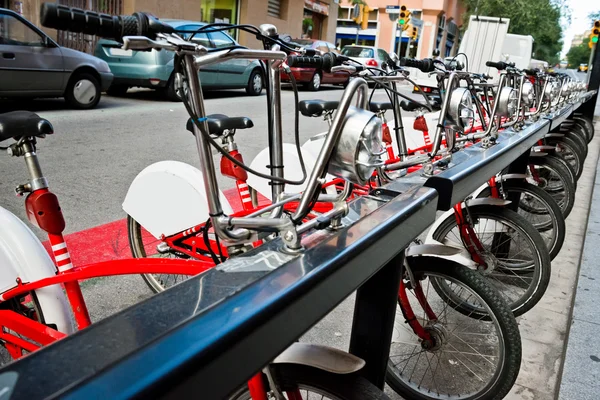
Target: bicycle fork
(468,236)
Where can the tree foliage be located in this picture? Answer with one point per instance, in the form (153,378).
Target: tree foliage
(579,54)
(538,18)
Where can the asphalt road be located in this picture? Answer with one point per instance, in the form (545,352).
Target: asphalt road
(94,155)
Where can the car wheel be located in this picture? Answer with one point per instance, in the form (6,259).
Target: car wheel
(255,83)
(117,90)
(315,82)
(83,91)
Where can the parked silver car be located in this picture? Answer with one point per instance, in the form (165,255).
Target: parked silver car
(33,65)
(369,56)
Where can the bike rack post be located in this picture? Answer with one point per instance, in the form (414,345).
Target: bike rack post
(588,108)
(373,322)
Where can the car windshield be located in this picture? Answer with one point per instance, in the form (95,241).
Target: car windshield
(361,52)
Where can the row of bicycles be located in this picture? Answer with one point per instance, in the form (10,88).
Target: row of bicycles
(484,262)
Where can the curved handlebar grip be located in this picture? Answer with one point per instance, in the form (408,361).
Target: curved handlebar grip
(425,65)
(324,62)
(104,25)
(530,71)
(305,61)
(500,65)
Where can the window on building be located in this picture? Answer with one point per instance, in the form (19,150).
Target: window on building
(373,15)
(225,11)
(343,12)
(274,8)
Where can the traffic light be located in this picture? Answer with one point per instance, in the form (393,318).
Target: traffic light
(357,13)
(404,17)
(414,33)
(365,17)
(595,33)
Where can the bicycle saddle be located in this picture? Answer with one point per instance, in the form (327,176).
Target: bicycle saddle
(378,107)
(19,124)
(315,108)
(411,105)
(217,123)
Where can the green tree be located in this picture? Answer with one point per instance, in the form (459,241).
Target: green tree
(538,18)
(579,54)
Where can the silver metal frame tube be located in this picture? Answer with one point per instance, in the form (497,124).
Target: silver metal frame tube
(356,85)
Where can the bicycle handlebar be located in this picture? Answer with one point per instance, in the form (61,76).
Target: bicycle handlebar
(324,62)
(104,25)
(500,65)
(425,65)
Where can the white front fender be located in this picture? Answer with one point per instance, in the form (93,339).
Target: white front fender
(292,170)
(169,197)
(23,256)
(322,357)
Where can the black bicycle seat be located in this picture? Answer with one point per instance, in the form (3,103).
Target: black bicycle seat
(218,123)
(315,108)
(19,124)
(378,107)
(411,105)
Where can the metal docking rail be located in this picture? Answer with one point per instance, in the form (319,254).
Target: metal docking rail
(212,332)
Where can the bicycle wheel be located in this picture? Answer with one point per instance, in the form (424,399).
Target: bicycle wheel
(473,355)
(518,262)
(577,133)
(539,209)
(143,245)
(570,150)
(313,383)
(551,175)
(586,124)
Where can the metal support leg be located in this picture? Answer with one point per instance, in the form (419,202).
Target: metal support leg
(374,314)
(519,166)
(501,241)
(588,108)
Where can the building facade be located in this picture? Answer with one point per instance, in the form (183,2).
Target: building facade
(578,39)
(316,19)
(441,22)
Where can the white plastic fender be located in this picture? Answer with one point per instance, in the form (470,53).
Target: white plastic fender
(168,197)
(23,256)
(322,357)
(291,171)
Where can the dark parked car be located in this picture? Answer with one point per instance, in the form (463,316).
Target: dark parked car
(33,65)
(154,69)
(311,77)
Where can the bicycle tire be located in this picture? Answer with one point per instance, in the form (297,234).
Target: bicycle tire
(508,273)
(556,230)
(564,191)
(587,124)
(156,282)
(568,168)
(500,319)
(578,133)
(570,150)
(343,387)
